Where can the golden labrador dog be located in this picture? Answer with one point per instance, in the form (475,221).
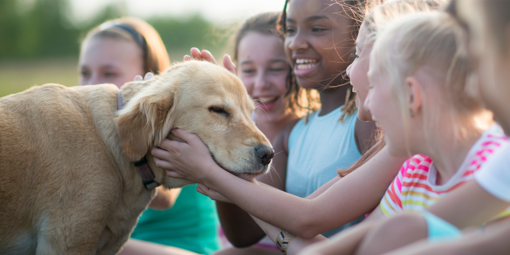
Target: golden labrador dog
(68,184)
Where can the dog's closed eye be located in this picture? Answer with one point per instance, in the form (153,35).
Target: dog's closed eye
(219,110)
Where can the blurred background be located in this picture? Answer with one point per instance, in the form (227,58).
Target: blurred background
(40,39)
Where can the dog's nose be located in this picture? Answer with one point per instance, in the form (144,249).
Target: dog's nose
(264,153)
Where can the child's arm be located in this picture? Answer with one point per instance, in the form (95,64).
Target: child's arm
(347,241)
(238,226)
(469,205)
(493,240)
(346,200)
(164,199)
(296,245)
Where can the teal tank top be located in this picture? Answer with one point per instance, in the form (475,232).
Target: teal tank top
(317,150)
(191,224)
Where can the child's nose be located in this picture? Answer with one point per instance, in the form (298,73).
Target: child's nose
(348,70)
(261,81)
(298,42)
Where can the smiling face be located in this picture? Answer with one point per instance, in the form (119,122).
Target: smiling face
(318,41)
(485,57)
(109,60)
(358,73)
(263,69)
(386,111)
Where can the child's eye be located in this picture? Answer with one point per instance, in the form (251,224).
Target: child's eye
(318,29)
(110,74)
(289,30)
(248,71)
(84,74)
(276,69)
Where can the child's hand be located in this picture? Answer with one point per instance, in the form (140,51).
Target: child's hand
(212,194)
(147,77)
(205,55)
(189,160)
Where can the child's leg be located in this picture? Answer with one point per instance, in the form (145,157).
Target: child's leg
(394,232)
(407,228)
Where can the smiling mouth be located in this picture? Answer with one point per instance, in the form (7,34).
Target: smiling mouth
(266,100)
(303,64)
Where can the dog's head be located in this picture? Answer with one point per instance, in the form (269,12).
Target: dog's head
(201,98)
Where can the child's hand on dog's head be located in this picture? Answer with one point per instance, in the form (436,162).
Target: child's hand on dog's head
(206,55)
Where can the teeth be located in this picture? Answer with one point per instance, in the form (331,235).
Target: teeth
(266,99)
(302,66)
(304,61)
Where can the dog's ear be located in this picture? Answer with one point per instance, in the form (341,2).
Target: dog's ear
(144,121)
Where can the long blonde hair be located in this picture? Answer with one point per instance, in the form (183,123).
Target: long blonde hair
(376,15)
(426,42)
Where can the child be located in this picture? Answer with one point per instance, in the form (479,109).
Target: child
(482,199)
(265,71)
(115,52)
(302,216)
(426,85)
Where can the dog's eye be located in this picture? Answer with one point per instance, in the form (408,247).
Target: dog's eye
(219,110)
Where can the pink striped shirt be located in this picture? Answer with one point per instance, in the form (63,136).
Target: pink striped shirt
(415,189)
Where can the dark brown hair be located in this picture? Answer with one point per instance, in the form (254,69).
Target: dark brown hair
(354,10)
(155,56)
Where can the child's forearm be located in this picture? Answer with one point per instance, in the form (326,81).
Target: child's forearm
(472,205)
(364,187)
(345,242)
(296,245)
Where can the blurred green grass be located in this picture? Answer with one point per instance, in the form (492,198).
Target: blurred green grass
(17,76)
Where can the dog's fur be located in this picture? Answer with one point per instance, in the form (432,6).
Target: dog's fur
(67,182)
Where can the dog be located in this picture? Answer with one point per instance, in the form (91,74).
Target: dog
(71,163)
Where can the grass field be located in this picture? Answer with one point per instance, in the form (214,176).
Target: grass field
(16,76)
(21,75)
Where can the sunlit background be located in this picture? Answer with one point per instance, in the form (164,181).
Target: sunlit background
(40,39)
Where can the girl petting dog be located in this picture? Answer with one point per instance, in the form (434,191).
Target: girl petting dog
(305,218)
(426,85)
(485,199)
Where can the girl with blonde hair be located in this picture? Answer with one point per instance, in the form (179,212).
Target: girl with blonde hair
(324,209)
(419,98)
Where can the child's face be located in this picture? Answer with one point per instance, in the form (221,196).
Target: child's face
(106,60)
(318,41)
(491,67)
(263,68)
(386,112)
(358,73)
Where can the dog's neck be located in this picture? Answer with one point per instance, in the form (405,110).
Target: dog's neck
(142,165)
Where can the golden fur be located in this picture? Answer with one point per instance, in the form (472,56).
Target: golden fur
(67,184)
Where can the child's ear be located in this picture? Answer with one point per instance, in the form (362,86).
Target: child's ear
(415,96)
(141,123)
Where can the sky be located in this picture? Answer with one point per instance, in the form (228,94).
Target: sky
(214,10)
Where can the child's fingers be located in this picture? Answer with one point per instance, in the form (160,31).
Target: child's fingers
(163,164)
(207,56)
(138,78)
(186,58)
(229,65)
(189,138)
(195,53)
(148,76)
(173,174)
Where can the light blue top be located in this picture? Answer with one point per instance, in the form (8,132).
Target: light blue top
(319,148)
